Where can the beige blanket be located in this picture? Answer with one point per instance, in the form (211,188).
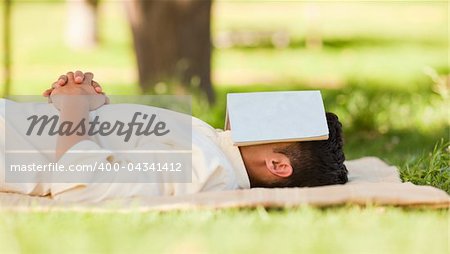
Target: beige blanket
(371,181)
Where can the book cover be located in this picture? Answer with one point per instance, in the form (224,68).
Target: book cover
(269,117)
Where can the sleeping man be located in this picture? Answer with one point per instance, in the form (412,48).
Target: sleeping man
(93,133)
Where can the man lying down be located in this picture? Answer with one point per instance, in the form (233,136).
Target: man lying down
(217,164)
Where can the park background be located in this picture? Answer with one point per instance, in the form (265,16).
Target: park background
(382,66)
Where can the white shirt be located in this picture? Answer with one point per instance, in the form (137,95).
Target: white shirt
(216,163)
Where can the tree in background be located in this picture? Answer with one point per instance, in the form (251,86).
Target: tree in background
(82,25)
(172,42)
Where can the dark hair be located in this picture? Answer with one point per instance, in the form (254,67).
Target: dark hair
(317,163)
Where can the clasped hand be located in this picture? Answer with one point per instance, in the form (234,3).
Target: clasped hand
(76,90)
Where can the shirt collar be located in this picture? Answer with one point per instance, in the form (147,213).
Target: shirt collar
(234,154)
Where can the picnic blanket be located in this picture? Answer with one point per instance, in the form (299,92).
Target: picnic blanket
(371,182)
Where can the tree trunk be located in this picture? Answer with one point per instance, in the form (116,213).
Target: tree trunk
(172,42)
(82,30)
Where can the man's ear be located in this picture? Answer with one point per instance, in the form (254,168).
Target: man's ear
(279,165)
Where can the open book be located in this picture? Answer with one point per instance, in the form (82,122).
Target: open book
(269,117)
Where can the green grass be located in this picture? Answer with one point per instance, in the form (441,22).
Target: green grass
(430,169)
(302,230)
(381,69)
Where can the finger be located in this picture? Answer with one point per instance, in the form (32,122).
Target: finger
(70,77)
(47,92)
(79,77)
(88,76)
(62,80)
(55,85)
(97,87)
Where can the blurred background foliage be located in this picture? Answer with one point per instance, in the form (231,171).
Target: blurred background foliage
(382,66)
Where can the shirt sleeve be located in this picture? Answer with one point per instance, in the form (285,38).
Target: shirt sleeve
(81,166)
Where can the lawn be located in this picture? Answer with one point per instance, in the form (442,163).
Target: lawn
(381,67)
(302,230)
